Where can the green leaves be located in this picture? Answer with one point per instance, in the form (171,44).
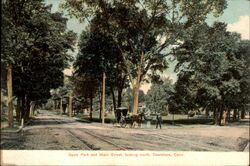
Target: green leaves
(142,32)
(136,25)
(159,96)
(98,54)
(36,42)
(212,54)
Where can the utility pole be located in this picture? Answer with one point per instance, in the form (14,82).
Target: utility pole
(10,96)
(70,105)
(61,107)
(103,96)
(32,104)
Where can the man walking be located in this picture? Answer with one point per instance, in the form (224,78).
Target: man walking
(158,120)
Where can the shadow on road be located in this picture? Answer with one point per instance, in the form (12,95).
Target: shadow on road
(244,122)
(36,122)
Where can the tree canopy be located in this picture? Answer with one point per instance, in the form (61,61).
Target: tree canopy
(35,42)
(159,97)
(142,30)
(97,55)
(212,73)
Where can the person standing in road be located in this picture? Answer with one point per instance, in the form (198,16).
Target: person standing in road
(158,120)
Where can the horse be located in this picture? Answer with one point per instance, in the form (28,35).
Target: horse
(137,118)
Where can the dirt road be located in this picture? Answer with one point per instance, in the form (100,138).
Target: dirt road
(49,131)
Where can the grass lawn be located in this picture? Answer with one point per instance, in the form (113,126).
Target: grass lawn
(178,119)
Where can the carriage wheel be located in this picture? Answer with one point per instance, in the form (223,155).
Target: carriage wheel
(123,123)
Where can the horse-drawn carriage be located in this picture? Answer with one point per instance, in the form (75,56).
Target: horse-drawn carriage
(123,118)
(121,114)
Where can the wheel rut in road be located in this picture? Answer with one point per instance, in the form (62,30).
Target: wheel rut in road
(96,142)
(91,140)
(194,145)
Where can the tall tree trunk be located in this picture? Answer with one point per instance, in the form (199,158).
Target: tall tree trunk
(27,108)
(119,102)
(225,119)
(214,113)
(243,113)
(234,114)
(135,99)
(207,112)
(100,102)
(61,106)
(31,109)
(10,96)
(103,97)
(113,97)
(120,89)
(91,107)
(136,86)
(238,114)
(216,116)
(228,114)
(70,105)
(220,115)
(23,107)
(18,109)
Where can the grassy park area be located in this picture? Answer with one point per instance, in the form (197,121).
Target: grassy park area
(166,119)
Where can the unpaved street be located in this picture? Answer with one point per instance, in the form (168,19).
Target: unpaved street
(49,131)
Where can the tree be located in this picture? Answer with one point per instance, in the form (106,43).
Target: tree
(142,30)
(128,98)
(210,71)
(99,55)
(241,70)
(85,87)
(35,44)
(159,95)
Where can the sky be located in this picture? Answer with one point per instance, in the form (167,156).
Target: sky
(236,15)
